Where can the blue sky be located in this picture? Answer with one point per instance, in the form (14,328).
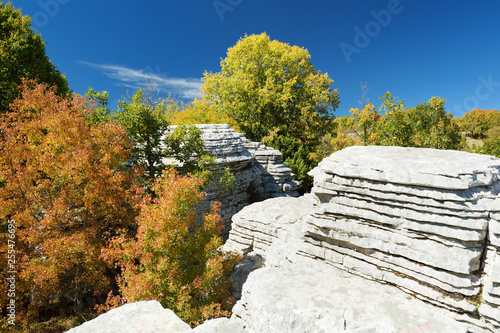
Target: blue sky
(415,49)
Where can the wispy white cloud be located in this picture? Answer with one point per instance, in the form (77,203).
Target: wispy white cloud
(133,78)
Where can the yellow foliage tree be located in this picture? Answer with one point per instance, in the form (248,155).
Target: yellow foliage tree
(477,122)
(201,112)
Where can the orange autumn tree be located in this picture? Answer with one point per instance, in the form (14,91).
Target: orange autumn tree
(175,258)
(65,185)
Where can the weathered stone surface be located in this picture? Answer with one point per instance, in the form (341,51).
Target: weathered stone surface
(257,226)
(490,303)
(434,236)
(241,271)
(299,299)
(219,325)
(390,212)
(145,317)
(277,177)
(446,169)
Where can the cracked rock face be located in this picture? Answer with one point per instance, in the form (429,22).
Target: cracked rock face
(424,221)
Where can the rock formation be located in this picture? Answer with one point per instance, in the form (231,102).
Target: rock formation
(422,220)
(150,317)
(390,240)
(259,170)
(145,317)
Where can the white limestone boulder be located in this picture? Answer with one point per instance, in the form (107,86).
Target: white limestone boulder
(447,169)
(219,325)
(144,317)
(303,299)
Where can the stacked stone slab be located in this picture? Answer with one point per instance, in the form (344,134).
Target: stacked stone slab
(273,222)
(226,146)
(419,219)
(254,181)
(490,302)
(277,178)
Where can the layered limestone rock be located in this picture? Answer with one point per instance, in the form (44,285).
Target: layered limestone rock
(277,178)
(390,240)
(297,293)
(226,146)
(259,171)
(415,218)
(422,220)
(490,301)
(273,222)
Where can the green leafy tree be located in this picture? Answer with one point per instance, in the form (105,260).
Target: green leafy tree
(272,90)
(186,144)
(101,112)
(433,127)
(22,55)
(270,86)
(395,127)
(153,141)
(144,120)
(427,125)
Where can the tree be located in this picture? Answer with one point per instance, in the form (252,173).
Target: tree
(492,142)
(185,142)
(366,122)
(427,125)
(66,187)
(268,86)
(433,127)
(395,128)
(100,101)
(173,258)
(144,120)
(272,90)
(201,111)
(22,55)
(478,122)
